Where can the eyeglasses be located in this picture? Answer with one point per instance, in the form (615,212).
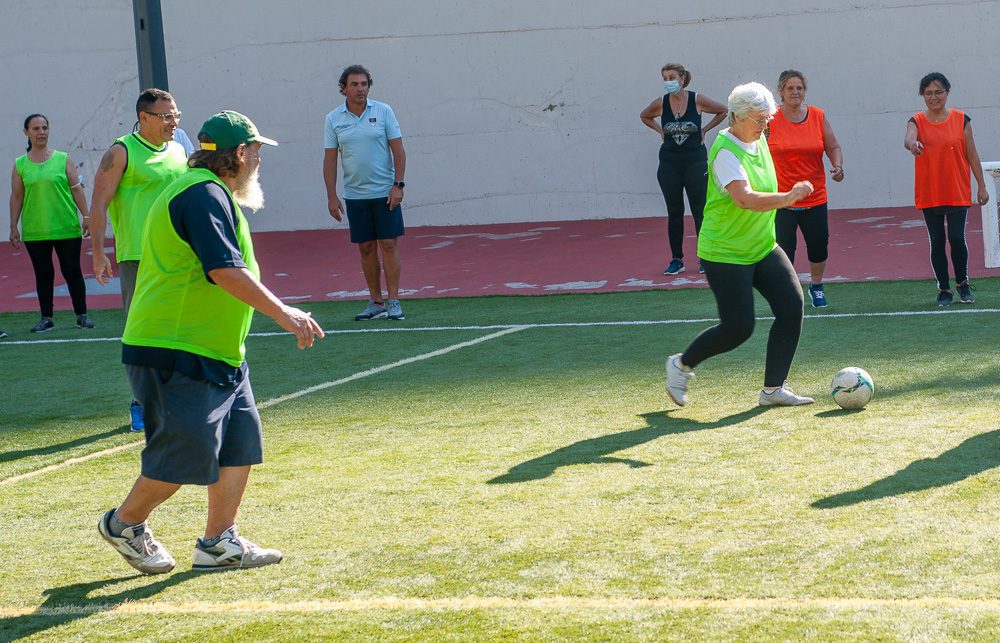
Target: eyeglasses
(167,117)
(937,93)
(761,122)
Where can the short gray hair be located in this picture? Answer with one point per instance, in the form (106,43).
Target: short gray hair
(751,97)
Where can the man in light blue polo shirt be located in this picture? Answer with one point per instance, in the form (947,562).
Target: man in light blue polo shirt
(365,135)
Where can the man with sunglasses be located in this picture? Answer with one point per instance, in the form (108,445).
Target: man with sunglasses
(133,172)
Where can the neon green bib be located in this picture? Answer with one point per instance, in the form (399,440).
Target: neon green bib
(149,169)
(730,234)
(174,305)
(48,212)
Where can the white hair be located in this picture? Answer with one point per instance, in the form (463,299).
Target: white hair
(750,98)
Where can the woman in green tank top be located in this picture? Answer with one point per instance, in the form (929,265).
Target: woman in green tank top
(45,197)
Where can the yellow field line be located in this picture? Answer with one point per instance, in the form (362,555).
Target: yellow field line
(468,603)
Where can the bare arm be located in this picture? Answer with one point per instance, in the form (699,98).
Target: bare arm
(16,203)
(708,106)
(79,194)
(911,143)
(972,154)
(748,199)
(330,178)
(399,166)
(240,283)
(109,175)
(649,115)
(833,152)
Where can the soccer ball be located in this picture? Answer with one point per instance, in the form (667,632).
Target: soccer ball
(852,387)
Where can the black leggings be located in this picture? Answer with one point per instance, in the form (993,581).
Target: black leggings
(733,286)
(935,219)
(68,251)
(676,176)
(815,230)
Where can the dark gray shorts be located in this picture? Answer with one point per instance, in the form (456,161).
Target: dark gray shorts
(194,427)
(127,272)
(371,219)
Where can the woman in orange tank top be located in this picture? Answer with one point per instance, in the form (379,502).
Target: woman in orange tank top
(798,137)
(940,139)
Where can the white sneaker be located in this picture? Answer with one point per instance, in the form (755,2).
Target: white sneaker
(138,547)
(233,552)
(784,396)
(677,379)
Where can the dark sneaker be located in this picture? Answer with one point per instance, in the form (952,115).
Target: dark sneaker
(676,267)
(394,310)
(372,311)
(965,293)
(138,547)
(136,423)
(82,321)
(44,325)
(3,334)
(817,295)
(701,268)
(233,551)
(945,298)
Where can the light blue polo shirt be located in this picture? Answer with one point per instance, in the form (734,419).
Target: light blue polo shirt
(363,145)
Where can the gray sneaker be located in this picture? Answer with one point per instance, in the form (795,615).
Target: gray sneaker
(677,379)
(83,321)
(138,547)
(371,311)
(44,325)
(395,311)
(965,295)
(784,396)
(233,551)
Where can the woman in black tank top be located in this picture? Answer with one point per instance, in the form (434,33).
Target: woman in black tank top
(683,158)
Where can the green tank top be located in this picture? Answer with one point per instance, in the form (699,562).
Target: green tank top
(174,305)
(148,170)
(48,212)
(730,234)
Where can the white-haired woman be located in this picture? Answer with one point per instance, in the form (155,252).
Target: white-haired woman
(737,246)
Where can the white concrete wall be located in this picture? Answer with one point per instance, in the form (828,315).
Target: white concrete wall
(510,110)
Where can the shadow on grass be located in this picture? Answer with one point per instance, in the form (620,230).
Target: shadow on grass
(975,455)
(71,602)
(10,456)
(598,450)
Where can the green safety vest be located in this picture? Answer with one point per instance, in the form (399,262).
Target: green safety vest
(48,212)
(730,234)
(174,305)
(148,170)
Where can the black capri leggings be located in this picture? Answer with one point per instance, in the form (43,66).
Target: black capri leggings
(676,176)
(68,251)
(815,230)
(956,217)
(733,286)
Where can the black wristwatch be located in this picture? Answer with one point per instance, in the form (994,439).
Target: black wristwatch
(398,184)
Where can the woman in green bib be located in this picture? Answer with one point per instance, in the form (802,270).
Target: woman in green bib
(46,194)
(737,246)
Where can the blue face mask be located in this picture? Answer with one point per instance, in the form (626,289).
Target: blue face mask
(671,86)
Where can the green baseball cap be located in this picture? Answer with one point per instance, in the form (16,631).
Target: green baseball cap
(228,129)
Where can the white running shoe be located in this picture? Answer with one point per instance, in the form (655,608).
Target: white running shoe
(677,379)
(784,396)
(233,552)
(138,547)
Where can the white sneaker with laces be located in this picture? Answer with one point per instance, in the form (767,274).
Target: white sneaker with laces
(677,379)
(233,552)
(783,396)
(138,547)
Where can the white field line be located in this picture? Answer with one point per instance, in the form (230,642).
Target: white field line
(278,400)
(467,603)
(652,322)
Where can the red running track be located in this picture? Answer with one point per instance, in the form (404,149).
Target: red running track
(532,259)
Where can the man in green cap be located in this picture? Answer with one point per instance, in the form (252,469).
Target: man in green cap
(183,351)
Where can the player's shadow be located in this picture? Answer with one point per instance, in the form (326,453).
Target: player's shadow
(599,450)
(10,456)
(977,454)
(72,602)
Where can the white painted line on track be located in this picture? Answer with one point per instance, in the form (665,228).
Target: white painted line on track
(278,400)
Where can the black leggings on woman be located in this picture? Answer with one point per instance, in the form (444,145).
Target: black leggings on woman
(684,174)
(815,230)
(935,219)
(68,251)
(733,286)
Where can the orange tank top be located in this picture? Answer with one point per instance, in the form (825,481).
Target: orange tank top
(941,173)
(797,150)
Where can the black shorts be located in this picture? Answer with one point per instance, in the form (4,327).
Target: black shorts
(371,219)
(193,427)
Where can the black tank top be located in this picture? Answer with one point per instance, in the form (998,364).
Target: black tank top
(682,136)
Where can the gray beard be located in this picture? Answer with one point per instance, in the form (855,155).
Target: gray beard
(249,194)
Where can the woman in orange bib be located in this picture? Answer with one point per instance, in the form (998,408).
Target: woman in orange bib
(798,137)
(940,139)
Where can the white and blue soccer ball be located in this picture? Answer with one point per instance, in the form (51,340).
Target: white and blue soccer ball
(852,388)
